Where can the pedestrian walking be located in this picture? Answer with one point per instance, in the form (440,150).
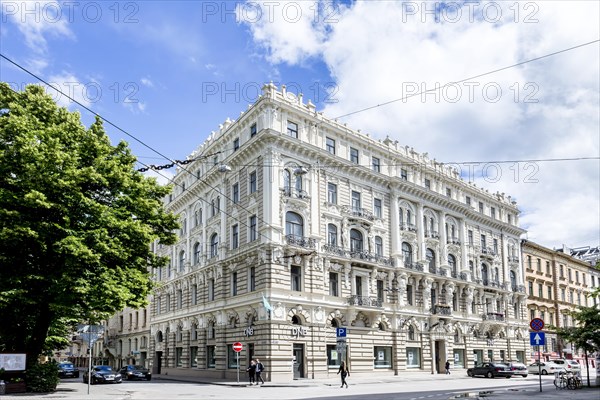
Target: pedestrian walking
(251,370)
(344,371)
(259,370)
(447,367)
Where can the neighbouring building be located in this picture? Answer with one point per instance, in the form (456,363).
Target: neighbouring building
(557,283)
(293,225)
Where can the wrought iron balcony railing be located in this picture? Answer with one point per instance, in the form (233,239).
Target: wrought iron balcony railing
(295,193)
(361,255)
(441,309)
(453,241)
(301,241)
(493,317)
(432,234)
(413,265)
(408,227)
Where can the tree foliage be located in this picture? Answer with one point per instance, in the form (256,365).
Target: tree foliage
(76,222)
(586,334)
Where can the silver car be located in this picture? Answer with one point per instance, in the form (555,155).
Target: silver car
(568,365)
(546,367)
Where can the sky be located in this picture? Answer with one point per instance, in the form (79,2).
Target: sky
(508,92)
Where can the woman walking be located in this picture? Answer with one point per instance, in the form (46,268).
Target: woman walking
(251,371)
(345,372)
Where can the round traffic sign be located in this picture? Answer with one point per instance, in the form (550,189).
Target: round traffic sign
(537,324)
(237,347)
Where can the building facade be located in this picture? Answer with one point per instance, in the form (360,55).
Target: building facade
(556,284)
(293,225)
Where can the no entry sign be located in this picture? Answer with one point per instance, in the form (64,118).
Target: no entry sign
(237,347)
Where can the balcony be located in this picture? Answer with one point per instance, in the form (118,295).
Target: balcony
(493,317)
(408,227)
(365,301)
(295,193)
(488,251)
(441,310)
(414,266)
(300,241)
(361,255)
(358,213)
(432,234)
(453,241)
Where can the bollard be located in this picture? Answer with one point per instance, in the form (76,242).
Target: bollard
(2,387)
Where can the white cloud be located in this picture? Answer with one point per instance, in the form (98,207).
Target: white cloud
(66,85)
(163,177)
(381,51)
(147,82)
(38,20)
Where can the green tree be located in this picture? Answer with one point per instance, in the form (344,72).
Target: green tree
(76,223)
(586,334)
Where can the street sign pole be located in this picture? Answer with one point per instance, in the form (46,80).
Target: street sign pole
(539,367)
(237,356)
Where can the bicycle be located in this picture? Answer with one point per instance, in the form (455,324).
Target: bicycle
(560,380)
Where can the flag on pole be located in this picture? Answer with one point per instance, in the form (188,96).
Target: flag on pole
(266,303)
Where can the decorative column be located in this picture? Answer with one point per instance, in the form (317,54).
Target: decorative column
(420,233)
(395,221)
(443,239)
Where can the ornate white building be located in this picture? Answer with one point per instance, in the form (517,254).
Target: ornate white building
(294,224)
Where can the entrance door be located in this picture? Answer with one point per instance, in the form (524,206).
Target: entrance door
(157,362)
(440,356)
(298,363)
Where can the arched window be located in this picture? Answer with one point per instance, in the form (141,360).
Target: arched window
(296,320)
(513,281)
(485,274)
(452,263)
(471,268)
(294,225)
(401,216)
(159,337)
(181,261)
(378,245)
(430,257)
(197,250)
(214,245)
(408,216)
(335,323)
(356,240)
(332,235)
(407,253)
(198,217)
(298,183)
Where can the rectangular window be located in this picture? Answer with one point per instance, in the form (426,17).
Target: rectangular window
(252,284)
(380,290)
(481,207)
(562,271)
(495,246)
(413,357)
(330,145)
(428,183)
(509,219)
(334,357)
(252,184)
(376,164)
(540,290)
(296,278)
(548,267)
(549,292)
(409,295)
(577,276)
(194,293)
(253,230)
(355,201)
(178,357)
(353,155)
(332,193)
(470,237)
(404,174)
(193,356)
(232,360)
(236,144)
(493,213)
(377,208)
(292,129)
(211,360)
(234,236)
(570,276)
(532,314)
(562,295)
(333,284)
(234,284)
(252,130)
(468,200)
(530,284)
(383,357)
(448,192)
(235,193)
(211,289)
(483,242)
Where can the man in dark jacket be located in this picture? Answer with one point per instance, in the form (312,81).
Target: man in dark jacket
(259,369)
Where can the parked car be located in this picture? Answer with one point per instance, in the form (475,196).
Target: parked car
(518,369)
(568,365)
(490,370)
(133,372)
(547,367)
(67,370)
(102,374)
